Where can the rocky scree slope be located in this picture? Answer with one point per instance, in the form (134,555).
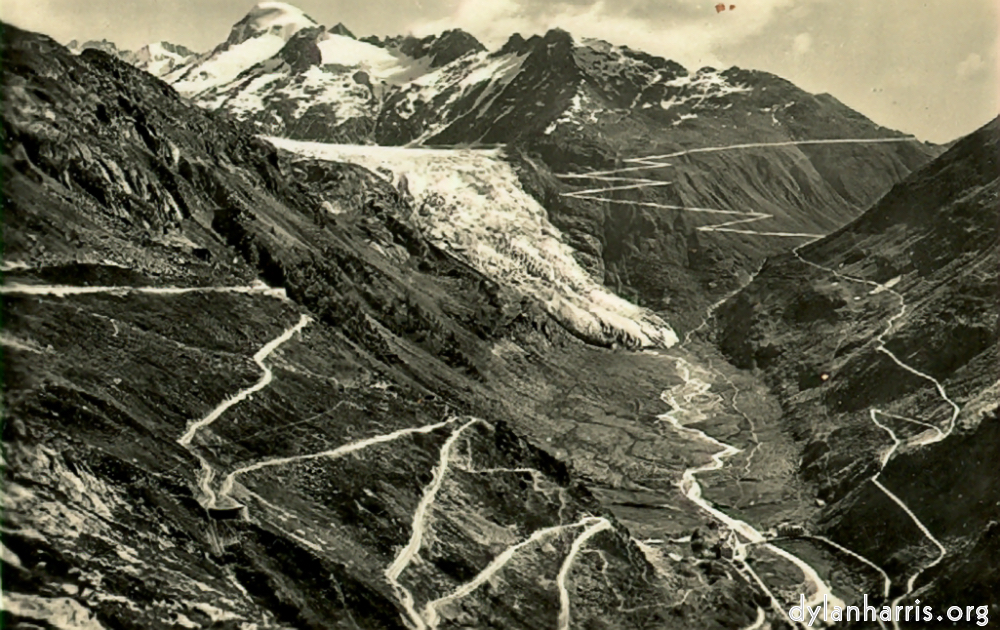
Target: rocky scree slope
(356,446)
(892,321)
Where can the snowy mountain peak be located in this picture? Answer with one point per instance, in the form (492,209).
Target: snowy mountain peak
(270,18)
(260,35)
(160,58)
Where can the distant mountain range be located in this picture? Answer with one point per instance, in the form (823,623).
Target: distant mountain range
(565,107)
(158,58)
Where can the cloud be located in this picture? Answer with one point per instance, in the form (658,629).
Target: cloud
(970,66)
(688,31)
(802,43)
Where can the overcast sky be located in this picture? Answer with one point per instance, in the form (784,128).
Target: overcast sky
(927,68)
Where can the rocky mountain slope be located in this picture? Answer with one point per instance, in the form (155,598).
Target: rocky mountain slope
(602,136)
(881,340)
(245,388)
(278,383)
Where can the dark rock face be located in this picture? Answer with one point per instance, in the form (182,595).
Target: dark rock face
(515,45)
(442,49)
(112,180)
(930,244)
(524,104)
(301,51)
(340,29)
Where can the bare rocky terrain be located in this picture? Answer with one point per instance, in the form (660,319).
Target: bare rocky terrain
(251,387)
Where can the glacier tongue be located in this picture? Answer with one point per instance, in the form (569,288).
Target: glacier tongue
(471,203)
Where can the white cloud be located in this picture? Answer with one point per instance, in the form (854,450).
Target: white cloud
(802,43)
(691,33)
(970,66)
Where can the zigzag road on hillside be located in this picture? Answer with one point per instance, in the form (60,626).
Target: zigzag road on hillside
(429,617)
(226,487)
(936,434)
(592,524)
(421,515)
(207,473)
(657,161)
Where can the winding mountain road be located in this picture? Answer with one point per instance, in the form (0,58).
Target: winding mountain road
(207,473)
(418,528)
(429,618)
(594,526)
(740,217)
(226,488)
(933,435)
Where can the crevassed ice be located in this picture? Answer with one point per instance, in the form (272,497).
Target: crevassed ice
(488,220)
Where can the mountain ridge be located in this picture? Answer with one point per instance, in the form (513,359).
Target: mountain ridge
(581,106)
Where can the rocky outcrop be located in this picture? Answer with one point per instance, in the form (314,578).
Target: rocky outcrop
(340,29)
(442,49)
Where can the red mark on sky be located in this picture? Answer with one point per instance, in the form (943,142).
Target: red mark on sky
(719,8)
(732,7)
